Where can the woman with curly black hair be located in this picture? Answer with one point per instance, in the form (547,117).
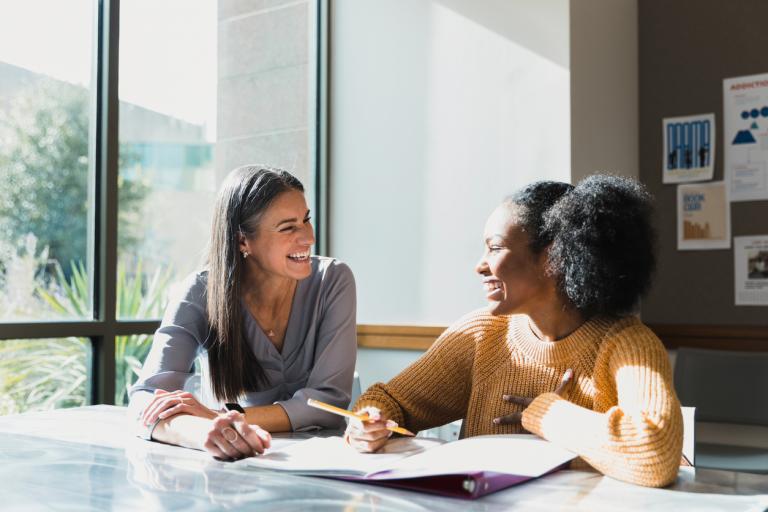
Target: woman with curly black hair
(558,352)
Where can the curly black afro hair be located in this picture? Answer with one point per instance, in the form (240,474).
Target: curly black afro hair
(600,239)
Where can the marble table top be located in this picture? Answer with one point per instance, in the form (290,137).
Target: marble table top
(88,459)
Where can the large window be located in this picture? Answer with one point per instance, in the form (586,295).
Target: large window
(45,133)
(168,120)
(39,374)
(118,122)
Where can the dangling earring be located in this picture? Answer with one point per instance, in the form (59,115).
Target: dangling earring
(245,254)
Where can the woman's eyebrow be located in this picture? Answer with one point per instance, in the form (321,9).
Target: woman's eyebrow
(292,219)
(284,221)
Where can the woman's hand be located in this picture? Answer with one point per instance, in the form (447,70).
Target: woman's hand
(230,437)
(370,435)
(517,417)
(166,404)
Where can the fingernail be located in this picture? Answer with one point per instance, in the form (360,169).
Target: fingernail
(568,373)
(391,423)
(506,397)
(496,421)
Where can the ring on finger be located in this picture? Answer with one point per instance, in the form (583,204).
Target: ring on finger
(229,434)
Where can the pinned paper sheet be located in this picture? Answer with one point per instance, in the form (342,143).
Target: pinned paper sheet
(750,264)
(745,113)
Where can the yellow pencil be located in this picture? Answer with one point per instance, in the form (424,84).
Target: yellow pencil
(349,414)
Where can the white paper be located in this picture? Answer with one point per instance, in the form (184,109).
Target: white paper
(522,455)
(750,266)
(332,456)
(689,148)
(703,216)
(745,128)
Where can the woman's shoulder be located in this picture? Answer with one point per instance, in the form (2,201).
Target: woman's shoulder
(326,264)
(330,270)
(478,324)
(629,333)
(477,336)
(191,288)
(628,326)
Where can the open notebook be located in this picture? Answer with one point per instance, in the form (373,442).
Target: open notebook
(467,468)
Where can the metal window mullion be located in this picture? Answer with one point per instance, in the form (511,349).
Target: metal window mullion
(75,329)
(37,330)
(106,197)
(321,126)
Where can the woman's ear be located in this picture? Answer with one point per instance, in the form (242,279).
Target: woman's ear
(542,259)
(241,242)
(544,254)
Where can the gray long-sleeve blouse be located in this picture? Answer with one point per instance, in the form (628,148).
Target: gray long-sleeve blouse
(317,360)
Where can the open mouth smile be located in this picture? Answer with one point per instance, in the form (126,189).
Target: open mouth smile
(494,289)
(299,257)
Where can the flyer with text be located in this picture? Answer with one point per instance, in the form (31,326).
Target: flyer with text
(703,216)
(750,265)
(745,128)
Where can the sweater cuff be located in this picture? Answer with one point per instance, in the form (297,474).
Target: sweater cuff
(385,412)
(535,414)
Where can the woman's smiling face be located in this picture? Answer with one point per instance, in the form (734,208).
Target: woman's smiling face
(515,278)
(284,237)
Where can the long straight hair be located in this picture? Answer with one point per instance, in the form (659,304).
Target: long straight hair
(245,195)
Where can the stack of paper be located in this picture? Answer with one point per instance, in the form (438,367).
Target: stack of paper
(471,467)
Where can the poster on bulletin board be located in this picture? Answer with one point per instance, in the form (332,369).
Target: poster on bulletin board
(750,266)
(689,148)
(703,216)
(745,128)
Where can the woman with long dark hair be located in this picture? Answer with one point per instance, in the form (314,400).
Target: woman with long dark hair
(271,325)
(558,352)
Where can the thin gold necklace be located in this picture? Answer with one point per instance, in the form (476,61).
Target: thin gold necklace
(270,332)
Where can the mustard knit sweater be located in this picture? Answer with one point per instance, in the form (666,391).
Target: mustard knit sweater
(620,412)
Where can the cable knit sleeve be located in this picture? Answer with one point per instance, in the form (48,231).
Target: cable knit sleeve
(435,389)
(635,432)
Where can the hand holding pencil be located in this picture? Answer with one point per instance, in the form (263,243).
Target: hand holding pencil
(361,416)
(369,435)
(367,430)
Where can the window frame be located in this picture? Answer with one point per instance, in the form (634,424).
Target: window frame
(105,327)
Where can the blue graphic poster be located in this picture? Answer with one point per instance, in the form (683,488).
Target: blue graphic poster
(689,148)
(745,133)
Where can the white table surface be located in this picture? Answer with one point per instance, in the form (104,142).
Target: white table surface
(88,459)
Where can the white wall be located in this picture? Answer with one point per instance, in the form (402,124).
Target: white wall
(438,110)
(380,365)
